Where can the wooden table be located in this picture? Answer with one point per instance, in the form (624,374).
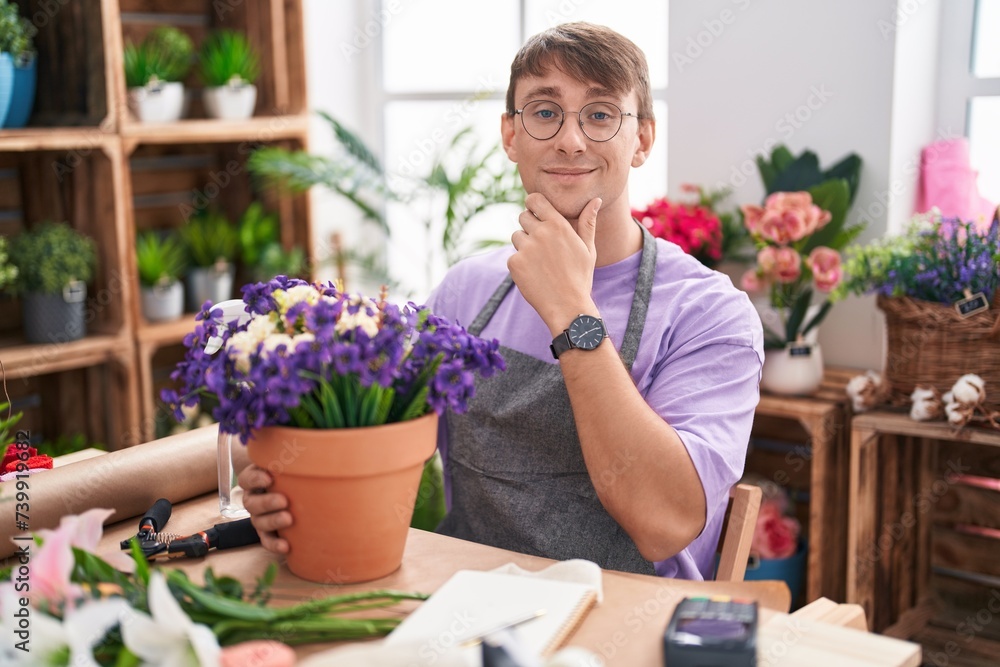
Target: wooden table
(625,629)
(908,513)
(824,418)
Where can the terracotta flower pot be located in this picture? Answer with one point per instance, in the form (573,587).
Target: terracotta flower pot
(351,493)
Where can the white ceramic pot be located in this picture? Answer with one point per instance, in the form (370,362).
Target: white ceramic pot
(234,102)
(161,303)
(160,102)
(797,369)
(213,284)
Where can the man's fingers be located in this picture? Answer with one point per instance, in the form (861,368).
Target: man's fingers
(263,503)
(587,224)
(517,238)
(540,207)
(273,543)
(269,523)
(253,478)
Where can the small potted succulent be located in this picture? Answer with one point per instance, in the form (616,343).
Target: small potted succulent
(17,67)
(54,262)
(211,244)
(229,67)
(154,70)
(261,252)
(161,262)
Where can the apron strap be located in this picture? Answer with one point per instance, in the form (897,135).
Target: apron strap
(636,316)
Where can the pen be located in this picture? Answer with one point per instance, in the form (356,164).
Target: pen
(520,620)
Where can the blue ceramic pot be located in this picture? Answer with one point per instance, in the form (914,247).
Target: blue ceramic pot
(23,96)
(6,85)
(791,570)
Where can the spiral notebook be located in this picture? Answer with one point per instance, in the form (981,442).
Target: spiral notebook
(471,603)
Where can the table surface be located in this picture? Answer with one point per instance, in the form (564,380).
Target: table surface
(625,629)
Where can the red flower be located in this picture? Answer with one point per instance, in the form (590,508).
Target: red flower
(695,229)
(776,536)
(33,463)
(11,454)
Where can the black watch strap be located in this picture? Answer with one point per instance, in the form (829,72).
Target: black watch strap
(560,344)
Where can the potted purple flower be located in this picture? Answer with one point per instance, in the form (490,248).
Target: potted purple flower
(338,396)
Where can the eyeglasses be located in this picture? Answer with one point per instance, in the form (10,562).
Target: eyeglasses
(600,121)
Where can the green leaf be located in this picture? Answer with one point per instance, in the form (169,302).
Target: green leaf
(818,317)
(801,174)
(781,158)
(831,196)
(353,143)
(797,314)
(848,169)
(141,564)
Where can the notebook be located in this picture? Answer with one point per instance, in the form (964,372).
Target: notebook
(474,602)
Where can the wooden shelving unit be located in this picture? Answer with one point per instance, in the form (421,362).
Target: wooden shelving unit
(85,160)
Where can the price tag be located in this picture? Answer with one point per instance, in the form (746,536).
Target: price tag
(972,304)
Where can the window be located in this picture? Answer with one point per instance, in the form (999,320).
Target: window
(444,65)
(984,110)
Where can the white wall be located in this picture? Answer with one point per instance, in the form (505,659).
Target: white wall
(746,75)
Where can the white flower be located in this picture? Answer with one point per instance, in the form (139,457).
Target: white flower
(366,319)
(168,637)
(272,342)
(970,390)
(286,298)
(261,327)
(54,642)
(306,337)
(239,348)
(926,404)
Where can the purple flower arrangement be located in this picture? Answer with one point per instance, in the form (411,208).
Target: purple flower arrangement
(937,259)
(310,356)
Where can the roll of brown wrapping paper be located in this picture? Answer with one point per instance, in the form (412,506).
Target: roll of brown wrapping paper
(129,480)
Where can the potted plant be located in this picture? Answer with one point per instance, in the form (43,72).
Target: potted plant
(154,71)
(54,262)
(261,252)
(18,70)
(352,388)
(938,285)
(798,235)
(160,259)
(211,244)
(229,67)
(8,272)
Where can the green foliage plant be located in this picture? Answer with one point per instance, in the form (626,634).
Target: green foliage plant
(160,258)
(227,58)
(52,255)
(276,261)
(258,229)
(164,55)
(16,33)
(210,239)
(6,424)
(8,272)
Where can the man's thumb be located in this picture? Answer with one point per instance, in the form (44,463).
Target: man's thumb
(588,221)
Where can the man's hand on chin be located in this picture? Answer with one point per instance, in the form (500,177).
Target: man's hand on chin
(554,263)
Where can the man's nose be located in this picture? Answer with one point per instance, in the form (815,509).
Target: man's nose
(570,137)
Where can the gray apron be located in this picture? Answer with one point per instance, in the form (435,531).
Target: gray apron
(518,479)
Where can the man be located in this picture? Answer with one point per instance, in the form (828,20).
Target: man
(621,451)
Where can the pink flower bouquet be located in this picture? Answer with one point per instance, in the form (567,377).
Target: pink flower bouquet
(776,535)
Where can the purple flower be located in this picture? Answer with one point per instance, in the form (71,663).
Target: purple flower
(411,362)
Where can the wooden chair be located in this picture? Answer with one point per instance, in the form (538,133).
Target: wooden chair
(737,532)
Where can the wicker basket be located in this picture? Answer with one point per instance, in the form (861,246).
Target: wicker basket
(930,344)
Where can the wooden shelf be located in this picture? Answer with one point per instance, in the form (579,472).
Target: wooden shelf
(165,333)
(260,128)
(23,360)
(55,139)
(901,424)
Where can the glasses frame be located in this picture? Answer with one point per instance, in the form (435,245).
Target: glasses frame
(621,119)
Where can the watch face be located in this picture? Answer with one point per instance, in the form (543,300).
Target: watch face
(586,332)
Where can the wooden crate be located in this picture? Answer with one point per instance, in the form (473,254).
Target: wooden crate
(170,182)
(274,28)
(74,186)
(72,87)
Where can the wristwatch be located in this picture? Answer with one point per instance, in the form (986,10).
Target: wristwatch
(585,333)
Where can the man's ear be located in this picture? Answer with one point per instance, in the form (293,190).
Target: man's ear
(507,135)
(644,143)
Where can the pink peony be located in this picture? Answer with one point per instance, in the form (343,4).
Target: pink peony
(787,265)
(825,265)
(749,281)
(786,217)
(776,535)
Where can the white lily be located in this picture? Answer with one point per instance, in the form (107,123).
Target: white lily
(233,309)
(72,640)
(168,637)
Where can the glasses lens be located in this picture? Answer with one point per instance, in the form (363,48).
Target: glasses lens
(542,119)
(601,120)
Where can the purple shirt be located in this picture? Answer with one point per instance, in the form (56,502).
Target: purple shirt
(698,364)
